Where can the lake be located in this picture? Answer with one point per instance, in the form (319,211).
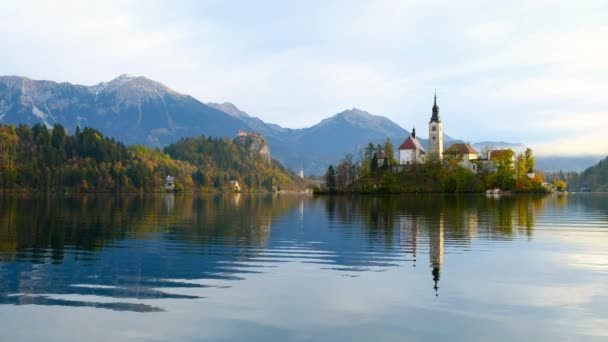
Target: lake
(289,267)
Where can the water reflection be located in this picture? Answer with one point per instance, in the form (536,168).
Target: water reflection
(134,248)
(436,221)
(130,253)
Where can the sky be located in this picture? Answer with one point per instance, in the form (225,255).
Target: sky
(528,71)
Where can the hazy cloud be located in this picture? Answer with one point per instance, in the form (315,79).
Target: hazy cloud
(498,68)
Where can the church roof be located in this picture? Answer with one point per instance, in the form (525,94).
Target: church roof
(435,116)
(460,149)
(411,143)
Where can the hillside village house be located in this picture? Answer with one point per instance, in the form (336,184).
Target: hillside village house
(235,186)
(169,183)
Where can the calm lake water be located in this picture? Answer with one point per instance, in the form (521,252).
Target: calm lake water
(287,267)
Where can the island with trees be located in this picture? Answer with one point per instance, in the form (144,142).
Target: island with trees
(376,170)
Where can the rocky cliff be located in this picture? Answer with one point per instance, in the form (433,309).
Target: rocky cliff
(256,144)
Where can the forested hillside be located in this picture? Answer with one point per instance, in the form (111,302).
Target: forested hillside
(219,160)
(38,159)
(594,178)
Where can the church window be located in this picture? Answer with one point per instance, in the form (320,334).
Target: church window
(434,129)
(433,138)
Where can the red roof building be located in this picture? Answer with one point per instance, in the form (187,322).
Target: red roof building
(411,143)
(411,151)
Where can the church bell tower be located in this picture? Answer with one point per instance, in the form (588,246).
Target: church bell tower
(435,134)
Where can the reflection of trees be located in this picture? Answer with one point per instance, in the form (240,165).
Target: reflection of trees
(452,221)
(597,202)
(57,243)
(132,244)
(89,223)
(464,216)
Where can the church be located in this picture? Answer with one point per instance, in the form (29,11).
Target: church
(412,152)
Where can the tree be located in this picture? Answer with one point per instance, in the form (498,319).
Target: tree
(374,165)
(389,148)
(504,160)
(530,161)
(560,185)
(521,168)
(346,172)
(84,186)
(370,150)
(368,155)
(57,136)
(330,178)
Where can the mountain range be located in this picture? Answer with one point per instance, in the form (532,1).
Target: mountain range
(137,110)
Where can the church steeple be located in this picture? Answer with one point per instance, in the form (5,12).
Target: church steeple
(435,133)
(435,115)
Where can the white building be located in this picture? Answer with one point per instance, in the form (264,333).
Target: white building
(169,183)
(435,133)
(235,186)
(411,151)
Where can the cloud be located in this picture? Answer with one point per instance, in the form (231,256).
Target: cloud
(496,66)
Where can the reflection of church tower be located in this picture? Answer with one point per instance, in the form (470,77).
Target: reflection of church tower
(435,134)
(436,251)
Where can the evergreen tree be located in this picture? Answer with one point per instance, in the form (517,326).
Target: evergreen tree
(330,178)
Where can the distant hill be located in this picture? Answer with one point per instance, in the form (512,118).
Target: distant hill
(594,178)
(314,148)
(566,163)
(346,132)
(255,124)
